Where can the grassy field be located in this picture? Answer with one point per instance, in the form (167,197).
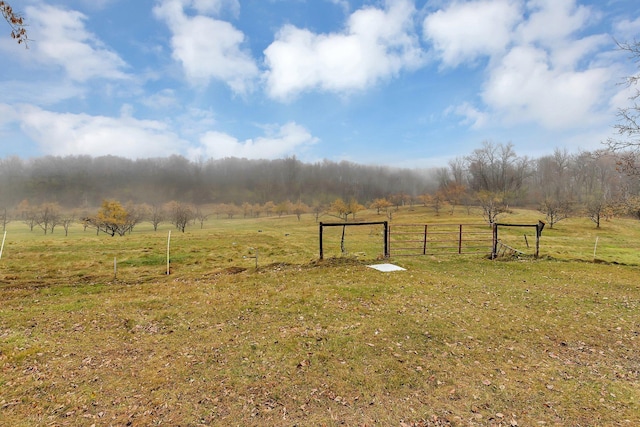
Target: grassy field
(452,340)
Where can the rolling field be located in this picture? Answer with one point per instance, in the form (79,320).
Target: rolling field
(94,332)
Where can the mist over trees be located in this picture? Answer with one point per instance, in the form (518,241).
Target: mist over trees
(492,178)
(76,181)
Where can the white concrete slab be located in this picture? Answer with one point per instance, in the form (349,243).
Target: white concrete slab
(386,267)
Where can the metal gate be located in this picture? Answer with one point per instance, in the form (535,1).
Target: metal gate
(432,239)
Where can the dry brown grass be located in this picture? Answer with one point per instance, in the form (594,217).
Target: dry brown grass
(451,341)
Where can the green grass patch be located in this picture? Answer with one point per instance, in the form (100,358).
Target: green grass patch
(453,340)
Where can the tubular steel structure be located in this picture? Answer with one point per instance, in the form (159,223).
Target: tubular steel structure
(385,236)
(432,239)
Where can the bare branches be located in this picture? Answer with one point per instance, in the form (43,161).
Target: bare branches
(629,118)
(16,22)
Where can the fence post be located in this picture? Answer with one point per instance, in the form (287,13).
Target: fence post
(539,228)
(387,237)
(320,237)
(460,241)
(494,246)
(424,246)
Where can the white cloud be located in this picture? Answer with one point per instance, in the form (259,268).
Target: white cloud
(214,7)
(375,44)
(465,31)
(163,99)
(343,4)
(96,4)
(195,122)
(537,70)
(72,134)
(550,21)
(63,134)
(60,38)
(524,88)
(8,114)
(472,116)
(567,54)
(284,141)
(627,30)
(39,92)
(206,47)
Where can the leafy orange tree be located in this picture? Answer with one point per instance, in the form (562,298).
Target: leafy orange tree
(354,207)
(453,194)
(632,205)
(112,218)
(426,199)
(269,207)
(299,208)
(282,208)
(340,207)
(380,204)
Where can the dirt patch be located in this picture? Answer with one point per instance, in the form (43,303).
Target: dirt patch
(232,270)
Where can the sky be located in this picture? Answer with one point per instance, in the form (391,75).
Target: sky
(403,83)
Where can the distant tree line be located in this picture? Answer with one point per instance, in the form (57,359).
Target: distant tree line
(113,194)
(597,184)
(76,181)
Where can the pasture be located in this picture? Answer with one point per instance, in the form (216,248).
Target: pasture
(453,340)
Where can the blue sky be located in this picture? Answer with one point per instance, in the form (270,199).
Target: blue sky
(398,82)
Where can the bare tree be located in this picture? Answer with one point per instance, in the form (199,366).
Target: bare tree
(555,210)
(4,218)
(596,208)
(318,209)
(200,216)
(453,193)
(629,117)
(47,216)
(551,178)
(457,167)
(181,214)
(155,215)
(492,205)
(437,201)
(66,221)
(136,215)
(495,168)
(27,214)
